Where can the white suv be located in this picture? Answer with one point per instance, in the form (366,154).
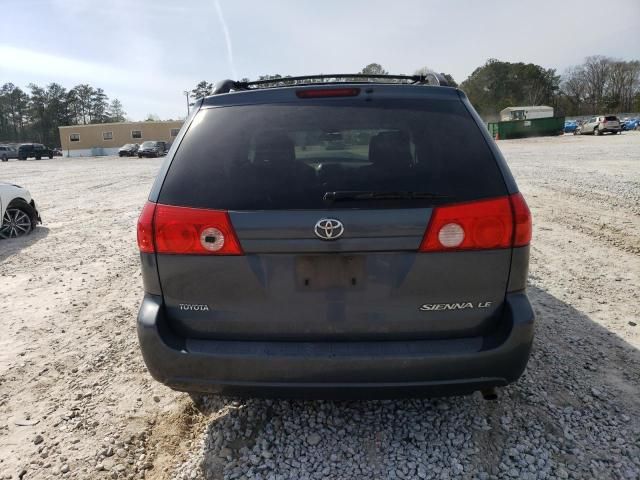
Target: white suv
(600,125)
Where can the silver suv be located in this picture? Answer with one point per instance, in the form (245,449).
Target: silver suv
(600,125)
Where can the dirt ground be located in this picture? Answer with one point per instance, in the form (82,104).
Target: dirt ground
(76,400)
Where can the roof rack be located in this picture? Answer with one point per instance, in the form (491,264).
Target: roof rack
(430,78)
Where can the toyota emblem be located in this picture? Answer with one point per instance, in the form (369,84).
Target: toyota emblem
(329,229)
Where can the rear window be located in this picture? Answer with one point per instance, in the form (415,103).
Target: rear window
(610,118)
(289,156)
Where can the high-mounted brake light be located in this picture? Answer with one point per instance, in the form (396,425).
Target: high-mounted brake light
(328,92)
(486,224)
(186,231)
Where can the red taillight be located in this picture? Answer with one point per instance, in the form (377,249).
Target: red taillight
(186,231)
(328,92)
(521,220)
(480,225)
(145,228)
(194,231)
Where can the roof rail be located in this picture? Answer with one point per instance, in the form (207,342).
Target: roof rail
(225,86)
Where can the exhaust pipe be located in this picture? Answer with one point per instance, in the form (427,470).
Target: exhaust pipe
(489,393)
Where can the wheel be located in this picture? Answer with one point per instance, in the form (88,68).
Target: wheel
(18,220)
(4,158)
(139,156)
(596,131)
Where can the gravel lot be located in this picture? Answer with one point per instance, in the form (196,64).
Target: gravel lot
(76,401)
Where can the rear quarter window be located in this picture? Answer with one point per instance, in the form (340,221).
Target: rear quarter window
(288,156)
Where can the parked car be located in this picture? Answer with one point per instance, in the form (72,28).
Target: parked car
(128,150)
(152,148)
(600,125)
(18,211)
(57,152)
(8,152)
(393,267)
(630,124)
(570,126)
(34,150)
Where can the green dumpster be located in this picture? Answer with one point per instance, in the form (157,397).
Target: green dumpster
(537,127)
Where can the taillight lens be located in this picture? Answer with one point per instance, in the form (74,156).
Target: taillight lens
(486,224)
(145,228)
(522,220)
(186,231)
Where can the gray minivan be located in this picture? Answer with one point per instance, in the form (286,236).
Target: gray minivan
(345,239)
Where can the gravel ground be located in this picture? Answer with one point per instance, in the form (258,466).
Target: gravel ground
(76,401)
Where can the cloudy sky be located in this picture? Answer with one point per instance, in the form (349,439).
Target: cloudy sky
(147,52)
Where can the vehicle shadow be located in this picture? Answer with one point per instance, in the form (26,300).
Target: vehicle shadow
(12,246)
(571,415)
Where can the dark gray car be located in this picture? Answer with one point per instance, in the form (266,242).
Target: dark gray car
(335,240)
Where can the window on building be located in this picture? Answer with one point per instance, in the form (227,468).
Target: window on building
(107,135)
(174,132)
(74,137)
(136,133)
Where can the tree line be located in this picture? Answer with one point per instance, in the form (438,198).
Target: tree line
(36,114)
(599,85)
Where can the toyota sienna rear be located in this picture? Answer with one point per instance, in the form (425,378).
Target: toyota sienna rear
(335,240)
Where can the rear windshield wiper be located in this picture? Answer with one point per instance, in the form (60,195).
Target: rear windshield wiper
(357,195)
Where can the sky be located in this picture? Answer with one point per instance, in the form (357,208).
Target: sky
(147,53)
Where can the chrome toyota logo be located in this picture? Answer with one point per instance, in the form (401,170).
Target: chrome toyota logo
(329,229)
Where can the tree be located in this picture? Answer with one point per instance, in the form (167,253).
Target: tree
(374,69)
(38,114)
(203,89)
(82,97)
(497,85)
(152,117)
(116,111)
(596,72)
(450,80)
(99,105)
(14,105)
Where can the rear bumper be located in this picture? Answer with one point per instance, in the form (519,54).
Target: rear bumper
(366,369)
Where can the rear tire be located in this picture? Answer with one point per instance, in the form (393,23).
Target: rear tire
(596,131)
(19,219)
(4,158)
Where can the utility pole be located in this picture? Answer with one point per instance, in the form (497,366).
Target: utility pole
(186,93)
